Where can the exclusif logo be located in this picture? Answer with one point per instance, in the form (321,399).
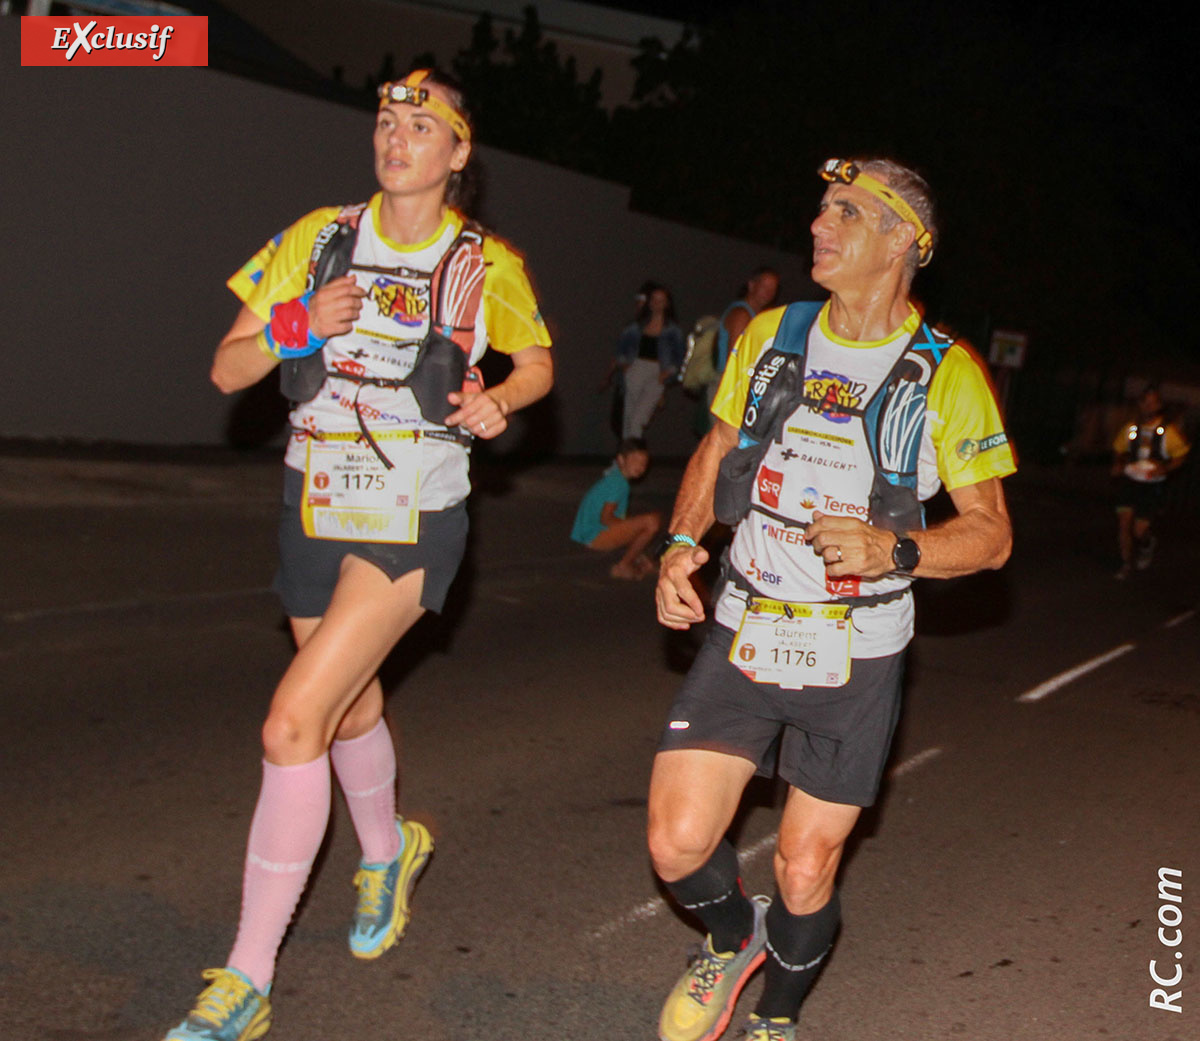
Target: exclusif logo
(126,40)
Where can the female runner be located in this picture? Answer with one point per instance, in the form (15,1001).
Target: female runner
(382,335)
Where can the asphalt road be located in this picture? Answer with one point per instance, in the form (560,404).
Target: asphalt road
(1005,889)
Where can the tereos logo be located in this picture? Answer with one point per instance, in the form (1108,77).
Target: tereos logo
(967,449)
(809,498)
(746,652)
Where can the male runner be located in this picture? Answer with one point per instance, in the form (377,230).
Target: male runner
(827,528)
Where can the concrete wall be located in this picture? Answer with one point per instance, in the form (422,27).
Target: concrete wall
(129,196)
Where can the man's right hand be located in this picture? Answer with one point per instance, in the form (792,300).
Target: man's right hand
(679,605)
(334,307)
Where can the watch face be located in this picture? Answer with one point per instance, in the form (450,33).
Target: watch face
(906,555)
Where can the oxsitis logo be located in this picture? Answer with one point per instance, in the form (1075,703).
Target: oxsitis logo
(114,41)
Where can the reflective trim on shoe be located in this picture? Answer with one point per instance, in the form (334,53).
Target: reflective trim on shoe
(759,1028)
(701,1003)
(228,1009)
(382,914)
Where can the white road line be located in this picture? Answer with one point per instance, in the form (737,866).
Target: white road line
(97,607)
(1063,678)
(639,914)
(914,762)
(652,908)
(1179,619)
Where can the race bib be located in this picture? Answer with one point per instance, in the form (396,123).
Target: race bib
(794,645)
(350,495)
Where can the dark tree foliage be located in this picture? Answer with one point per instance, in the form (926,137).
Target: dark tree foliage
(1056,140)
(1039,129)
(527,99)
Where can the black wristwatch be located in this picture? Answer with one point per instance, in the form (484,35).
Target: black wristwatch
(906,555)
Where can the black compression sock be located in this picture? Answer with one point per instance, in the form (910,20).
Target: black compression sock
(796,948)
(714,894)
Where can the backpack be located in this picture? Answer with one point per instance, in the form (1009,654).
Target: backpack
(894,419)
(698,369)
(455,287)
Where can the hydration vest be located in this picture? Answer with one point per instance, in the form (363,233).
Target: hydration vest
(1157,447)
(893,419)
(443,356)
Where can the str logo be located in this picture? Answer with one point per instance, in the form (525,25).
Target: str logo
(770,484)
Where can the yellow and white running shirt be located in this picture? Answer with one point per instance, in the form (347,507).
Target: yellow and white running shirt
(395,317)
(823,463)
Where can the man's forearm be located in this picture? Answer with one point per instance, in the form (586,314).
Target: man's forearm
(978,538)
(693,513)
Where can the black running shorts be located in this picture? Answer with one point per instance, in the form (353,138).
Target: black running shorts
(309,568)
(831,742)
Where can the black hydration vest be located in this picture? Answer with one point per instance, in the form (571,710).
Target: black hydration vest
(894,420)
(443,355)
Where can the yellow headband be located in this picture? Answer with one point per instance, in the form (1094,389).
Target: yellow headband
(845,171)
(409,92)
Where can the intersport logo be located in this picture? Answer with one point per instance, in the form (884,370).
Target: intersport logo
(126,40)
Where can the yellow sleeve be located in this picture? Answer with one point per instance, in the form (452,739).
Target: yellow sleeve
(729,403)
(279,270)
(965,424)
(510,308)
(1175,443)
(1121,441)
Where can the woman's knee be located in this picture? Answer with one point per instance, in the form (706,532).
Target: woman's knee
(290,736)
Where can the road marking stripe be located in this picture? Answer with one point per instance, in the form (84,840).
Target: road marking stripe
(914,762)
(652,908)
(1063,678)
(33,614)
(1179,619)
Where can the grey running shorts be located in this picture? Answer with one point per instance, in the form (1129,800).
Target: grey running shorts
(309,568)
(832,742)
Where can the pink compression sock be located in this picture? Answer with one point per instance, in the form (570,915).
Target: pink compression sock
(366,770)
(289,824)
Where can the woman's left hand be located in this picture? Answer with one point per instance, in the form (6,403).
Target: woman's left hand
(479,413)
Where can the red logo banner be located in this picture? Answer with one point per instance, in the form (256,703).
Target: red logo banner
(94,42)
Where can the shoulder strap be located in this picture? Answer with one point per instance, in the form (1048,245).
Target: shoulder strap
(778,379)
(457,287)
(895,415)
(333,247)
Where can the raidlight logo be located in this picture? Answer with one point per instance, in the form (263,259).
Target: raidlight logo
(770,484)
(114,41)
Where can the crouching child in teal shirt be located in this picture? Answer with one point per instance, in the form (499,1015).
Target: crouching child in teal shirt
(601,522)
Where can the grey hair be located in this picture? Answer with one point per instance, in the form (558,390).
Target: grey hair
(914,190)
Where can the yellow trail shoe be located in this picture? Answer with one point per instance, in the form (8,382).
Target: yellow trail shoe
(228,1009)
(759,1028)
(699,1006)
(384,890)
